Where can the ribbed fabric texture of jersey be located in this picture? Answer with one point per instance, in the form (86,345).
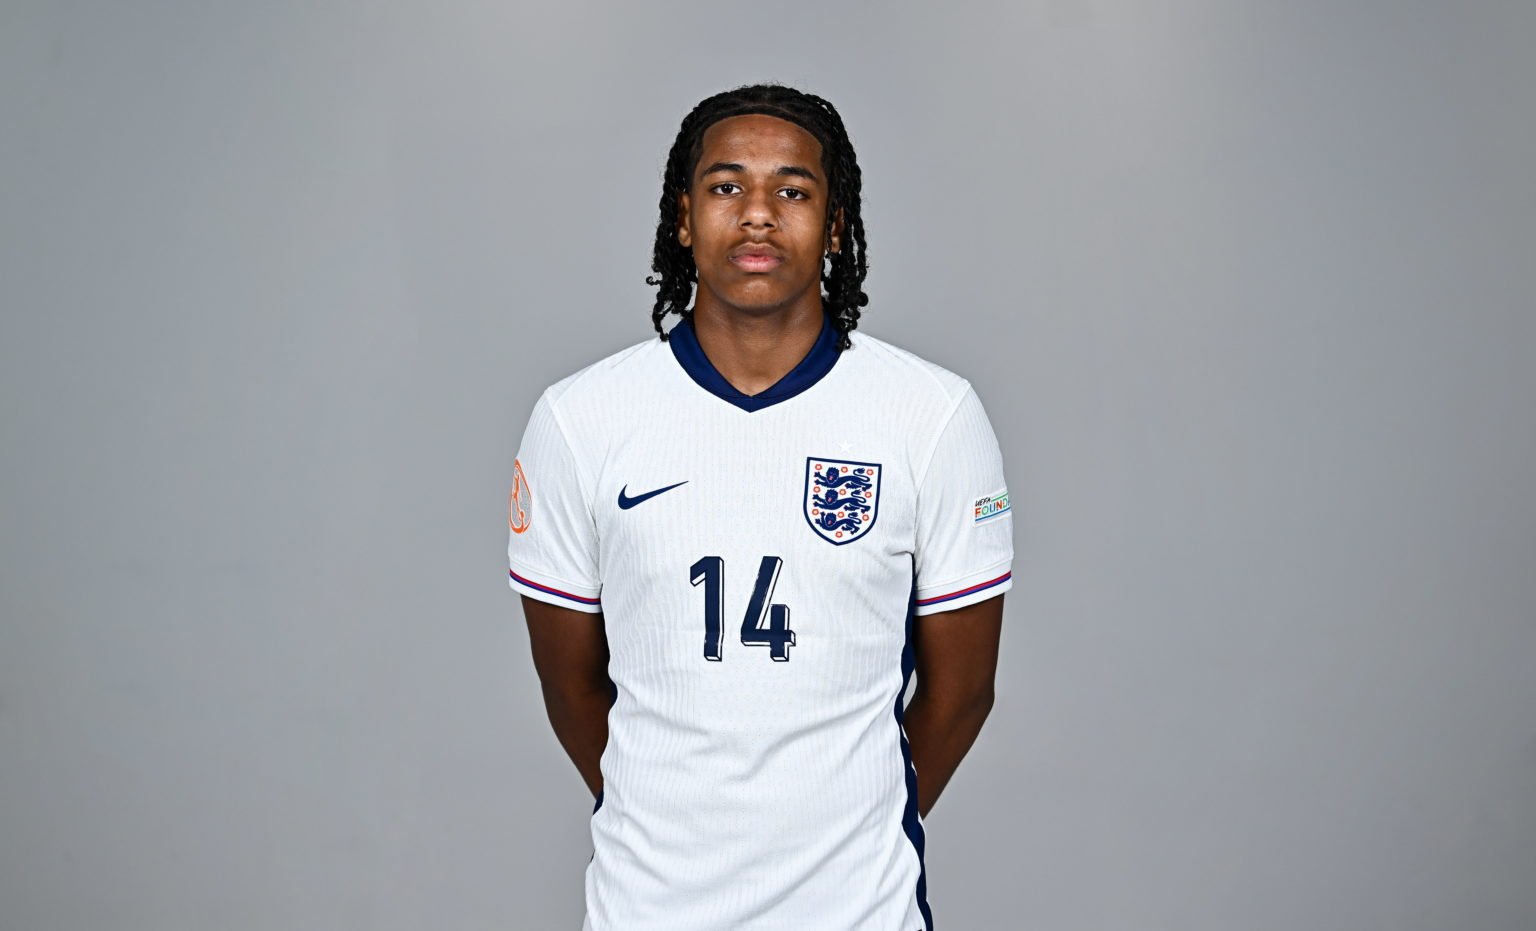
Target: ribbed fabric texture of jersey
(758,570)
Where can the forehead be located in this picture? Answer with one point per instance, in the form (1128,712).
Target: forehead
(758,137)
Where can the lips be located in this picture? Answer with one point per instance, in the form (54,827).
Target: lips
(756,257)
(756,263)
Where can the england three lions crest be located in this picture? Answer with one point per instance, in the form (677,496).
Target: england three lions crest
(841,498)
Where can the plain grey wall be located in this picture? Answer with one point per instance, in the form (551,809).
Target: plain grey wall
(1248,289)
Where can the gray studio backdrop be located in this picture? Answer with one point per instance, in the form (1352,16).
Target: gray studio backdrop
(1248,289)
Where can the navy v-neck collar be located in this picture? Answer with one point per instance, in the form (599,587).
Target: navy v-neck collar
(816,364)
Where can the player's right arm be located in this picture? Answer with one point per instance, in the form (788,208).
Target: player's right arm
(552,562)
(570,654)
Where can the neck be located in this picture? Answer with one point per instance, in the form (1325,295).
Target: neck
(751,352)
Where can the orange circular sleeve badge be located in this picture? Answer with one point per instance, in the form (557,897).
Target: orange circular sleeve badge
(520,507)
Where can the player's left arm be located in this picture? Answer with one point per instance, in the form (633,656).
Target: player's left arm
(955,653)
(962,558)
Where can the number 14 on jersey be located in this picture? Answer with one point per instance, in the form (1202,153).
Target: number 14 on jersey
(710,573)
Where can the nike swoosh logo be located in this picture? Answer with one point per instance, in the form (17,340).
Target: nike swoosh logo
(626,502)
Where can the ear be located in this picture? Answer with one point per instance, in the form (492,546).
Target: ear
(684,222)
(835,232)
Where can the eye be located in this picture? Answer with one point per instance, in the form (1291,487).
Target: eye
(724,184)
(799,194)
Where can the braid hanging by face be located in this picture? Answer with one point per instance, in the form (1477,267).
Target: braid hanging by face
(675,274)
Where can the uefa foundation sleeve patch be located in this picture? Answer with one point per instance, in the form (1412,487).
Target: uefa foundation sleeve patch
(990,507)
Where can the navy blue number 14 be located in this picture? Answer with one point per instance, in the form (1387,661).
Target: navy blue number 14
(710,572)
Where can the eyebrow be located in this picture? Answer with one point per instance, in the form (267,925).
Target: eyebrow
(792,170)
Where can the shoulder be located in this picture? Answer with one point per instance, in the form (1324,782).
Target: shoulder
(597,383)
(906,372)
(920,398)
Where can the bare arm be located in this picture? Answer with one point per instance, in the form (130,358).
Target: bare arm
(570,654)
(956,665)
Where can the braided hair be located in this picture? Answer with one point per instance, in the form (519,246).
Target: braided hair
(673,264)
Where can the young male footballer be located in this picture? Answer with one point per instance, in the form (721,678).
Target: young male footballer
(735,543)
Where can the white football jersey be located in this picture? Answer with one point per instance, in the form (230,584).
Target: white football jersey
(758,561)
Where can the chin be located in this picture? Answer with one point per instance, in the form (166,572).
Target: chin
(754,301)
(754,298)
(757,304)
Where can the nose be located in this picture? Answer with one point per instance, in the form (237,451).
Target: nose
(757,209)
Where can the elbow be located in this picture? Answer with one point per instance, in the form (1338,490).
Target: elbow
(981,703)
(569,693)
(960,704)
(976,703)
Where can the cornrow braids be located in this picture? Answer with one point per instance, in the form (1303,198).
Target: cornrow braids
(675,273)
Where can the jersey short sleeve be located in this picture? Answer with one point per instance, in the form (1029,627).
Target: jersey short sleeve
(551,540)
(964,549)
